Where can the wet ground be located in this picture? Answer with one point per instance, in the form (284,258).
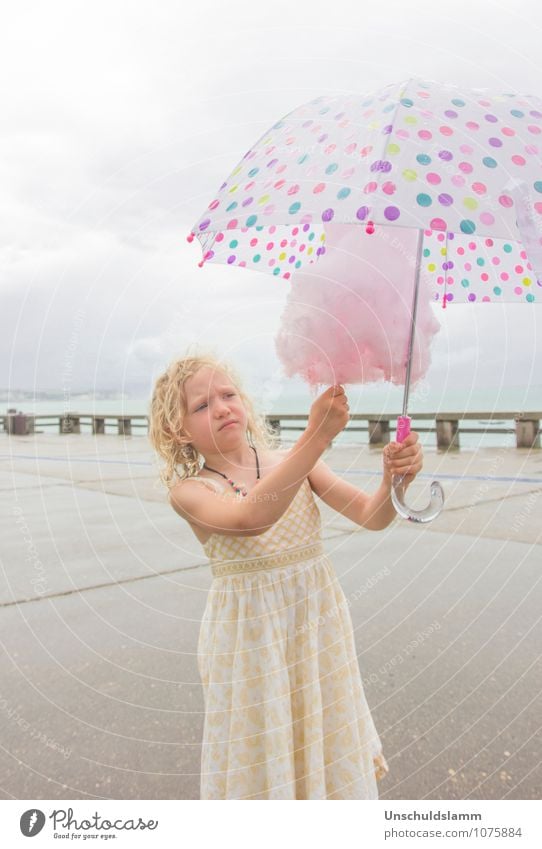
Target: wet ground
(104,586)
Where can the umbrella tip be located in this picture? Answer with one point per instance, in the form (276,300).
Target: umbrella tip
(190,237)
(370,228)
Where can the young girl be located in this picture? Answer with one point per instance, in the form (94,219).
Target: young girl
(285,712)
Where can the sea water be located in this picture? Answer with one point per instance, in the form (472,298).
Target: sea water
(378,400)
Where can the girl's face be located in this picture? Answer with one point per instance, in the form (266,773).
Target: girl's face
(212,402)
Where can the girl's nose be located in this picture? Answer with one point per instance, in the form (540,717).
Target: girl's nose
(221,408)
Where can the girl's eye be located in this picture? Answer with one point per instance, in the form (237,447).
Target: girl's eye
(201,406)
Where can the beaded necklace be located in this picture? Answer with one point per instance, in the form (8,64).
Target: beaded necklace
(236,487)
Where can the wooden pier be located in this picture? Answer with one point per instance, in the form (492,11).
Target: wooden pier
(379,427)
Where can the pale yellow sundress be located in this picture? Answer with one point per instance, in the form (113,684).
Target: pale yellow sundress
(286,716)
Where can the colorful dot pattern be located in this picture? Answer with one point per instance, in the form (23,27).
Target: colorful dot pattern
(414,154)
(462,269)
(277,249)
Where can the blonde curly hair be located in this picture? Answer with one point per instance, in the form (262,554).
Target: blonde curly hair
(168,408)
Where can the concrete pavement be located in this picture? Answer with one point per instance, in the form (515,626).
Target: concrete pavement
(104,586)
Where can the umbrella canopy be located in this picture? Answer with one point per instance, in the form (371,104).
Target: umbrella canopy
(462,165)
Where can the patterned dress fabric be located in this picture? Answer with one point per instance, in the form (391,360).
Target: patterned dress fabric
(285,712)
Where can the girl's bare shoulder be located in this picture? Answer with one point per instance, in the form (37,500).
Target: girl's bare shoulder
(210,483)
(268,458)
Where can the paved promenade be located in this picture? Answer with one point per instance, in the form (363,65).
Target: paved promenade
(103,588)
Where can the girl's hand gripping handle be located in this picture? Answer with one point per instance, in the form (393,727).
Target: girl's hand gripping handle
(398,490)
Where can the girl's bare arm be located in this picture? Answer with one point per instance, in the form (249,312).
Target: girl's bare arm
(274,493)
(376,511)
(266,502)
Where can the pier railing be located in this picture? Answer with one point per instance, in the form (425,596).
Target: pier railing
(380,428)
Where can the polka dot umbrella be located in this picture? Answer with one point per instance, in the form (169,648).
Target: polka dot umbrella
(461,166)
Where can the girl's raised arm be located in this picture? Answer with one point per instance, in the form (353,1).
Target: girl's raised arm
(273,494)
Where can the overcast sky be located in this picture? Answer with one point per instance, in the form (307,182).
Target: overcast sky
(121,119)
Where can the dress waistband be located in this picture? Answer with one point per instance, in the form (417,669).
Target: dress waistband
(268,561)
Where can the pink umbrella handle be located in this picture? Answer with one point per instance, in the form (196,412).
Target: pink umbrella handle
(398,491)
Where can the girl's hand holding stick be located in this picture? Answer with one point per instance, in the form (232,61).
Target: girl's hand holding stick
(403,458)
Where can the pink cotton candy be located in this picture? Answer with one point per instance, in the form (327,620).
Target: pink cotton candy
(347,318)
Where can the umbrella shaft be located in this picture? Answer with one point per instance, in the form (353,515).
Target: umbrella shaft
(413,321)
